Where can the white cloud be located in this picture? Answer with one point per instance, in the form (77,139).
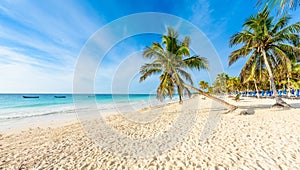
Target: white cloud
(201,13)
(21,73)
(24,78)
(41,44)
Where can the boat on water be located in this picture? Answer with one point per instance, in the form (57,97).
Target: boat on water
(31,96)
(60,96)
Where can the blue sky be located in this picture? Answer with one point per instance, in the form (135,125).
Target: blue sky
(40,41)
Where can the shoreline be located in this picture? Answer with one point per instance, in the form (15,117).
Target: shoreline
(63,119)
(12,126)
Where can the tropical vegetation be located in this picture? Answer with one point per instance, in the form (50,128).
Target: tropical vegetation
(203,85)
(268,43)
(171,59)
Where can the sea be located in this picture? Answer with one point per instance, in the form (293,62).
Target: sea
(15,110)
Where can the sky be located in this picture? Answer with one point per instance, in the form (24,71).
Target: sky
(41,41)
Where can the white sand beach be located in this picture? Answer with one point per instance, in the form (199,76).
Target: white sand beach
(269,139)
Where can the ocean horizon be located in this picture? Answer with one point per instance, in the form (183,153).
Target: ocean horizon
(14,108)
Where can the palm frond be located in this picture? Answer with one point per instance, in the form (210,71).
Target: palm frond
(153,52)
(241,37)
(197,62)
(237,54)
(283,21)
(185,75)
(150,69)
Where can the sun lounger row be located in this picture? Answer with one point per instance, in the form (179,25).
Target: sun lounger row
(295,93)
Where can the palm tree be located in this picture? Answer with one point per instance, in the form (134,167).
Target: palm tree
(267,40)
(203,85)
(171,59)
(294,76)
(233,84)
(281,5)
(219,85)
(292,66)
(253,70)
(252,77)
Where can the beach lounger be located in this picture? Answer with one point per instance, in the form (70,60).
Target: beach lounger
(270,93)
(279,93)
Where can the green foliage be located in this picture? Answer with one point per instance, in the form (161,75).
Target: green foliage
(233,84)
(171,63)
(268,43)
(203,85)
(220,84)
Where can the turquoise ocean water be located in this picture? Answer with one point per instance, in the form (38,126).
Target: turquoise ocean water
(17,112)
(14,106)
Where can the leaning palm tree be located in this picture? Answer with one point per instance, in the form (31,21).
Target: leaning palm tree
(171,59)
(268,40)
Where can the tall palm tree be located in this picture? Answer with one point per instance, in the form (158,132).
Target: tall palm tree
(171,59)
(268,40)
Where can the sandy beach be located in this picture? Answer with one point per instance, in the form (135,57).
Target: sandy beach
(203,138)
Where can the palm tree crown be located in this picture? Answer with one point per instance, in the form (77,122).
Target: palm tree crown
(267,43)
(170,60)
(203,84)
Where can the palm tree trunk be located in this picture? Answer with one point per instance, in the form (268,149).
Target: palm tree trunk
(247,90)
(180,99)
(256,88)
(279,101)
(229,106)
(289,86)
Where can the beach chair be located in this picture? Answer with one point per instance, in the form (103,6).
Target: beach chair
(269,93)
(279,93)
(298,93)
(262,93)
(293,92)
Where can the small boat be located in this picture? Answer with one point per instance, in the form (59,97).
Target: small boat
(31,96)
(60,96)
